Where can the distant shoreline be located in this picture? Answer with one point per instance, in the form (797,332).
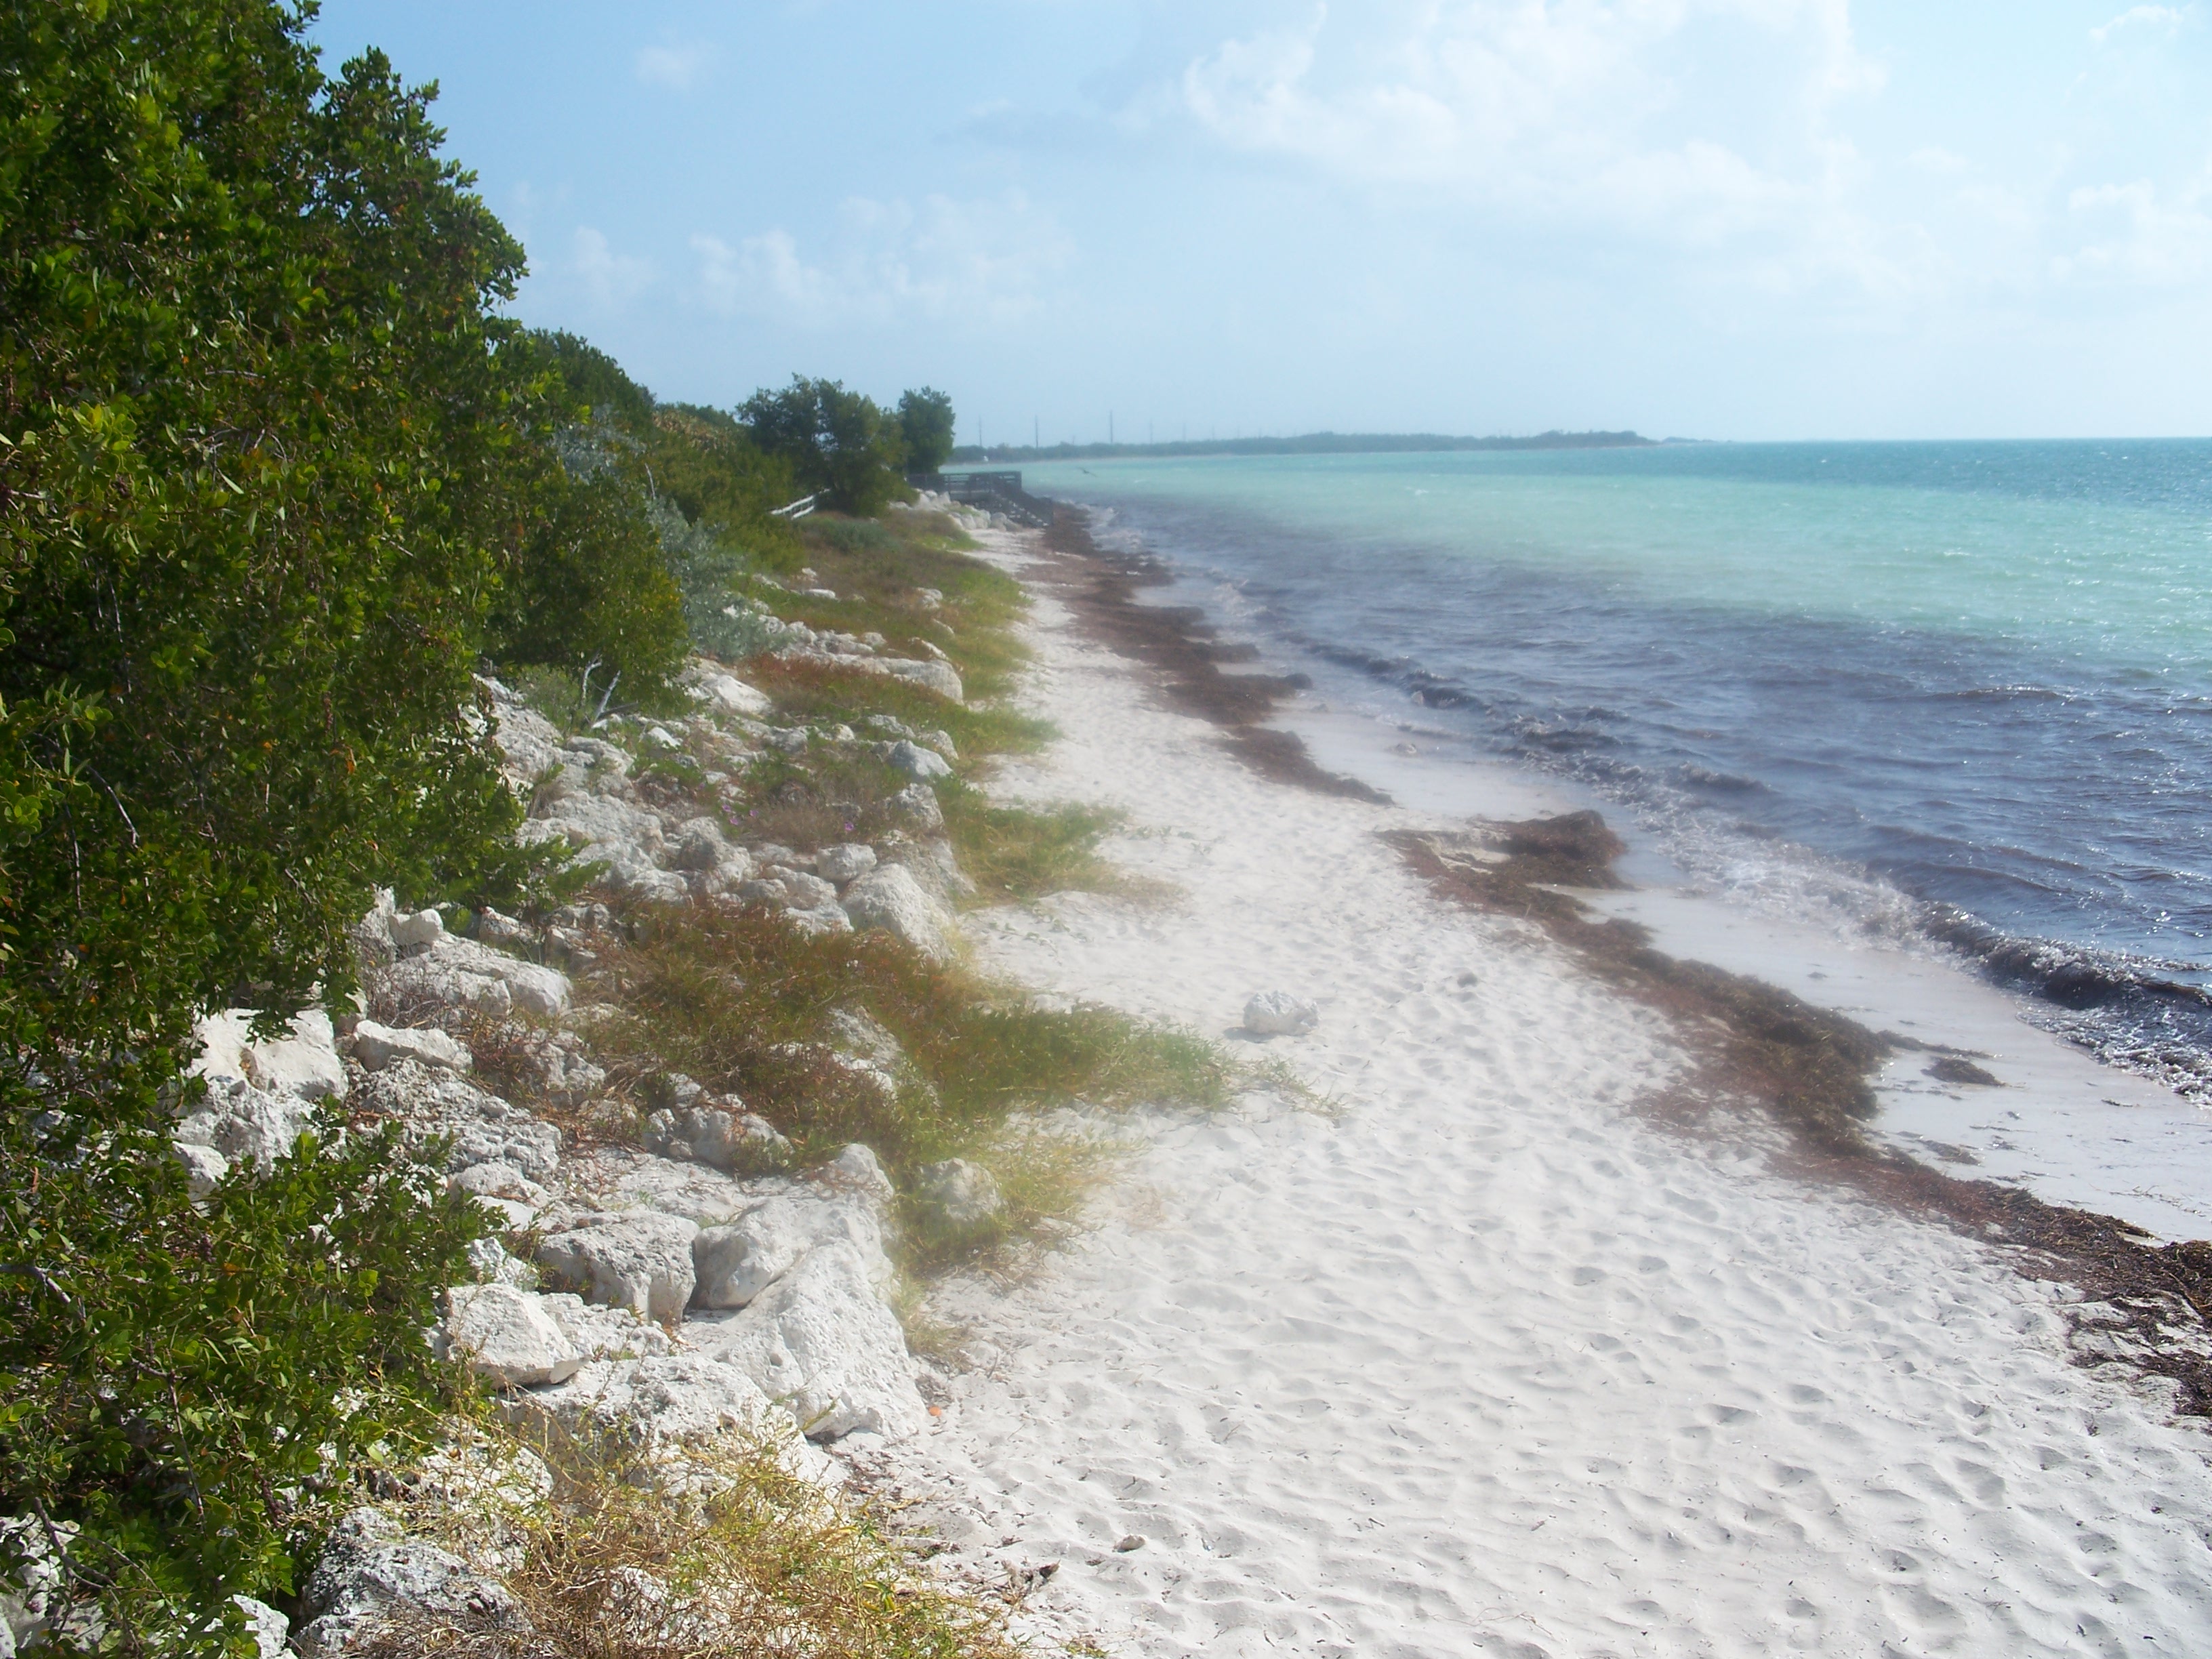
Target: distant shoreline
(1311,443)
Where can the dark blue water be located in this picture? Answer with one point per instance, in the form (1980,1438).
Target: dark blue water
(1956,692)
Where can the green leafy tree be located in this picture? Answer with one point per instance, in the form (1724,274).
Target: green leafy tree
(266,456)
(839,443)
(925,426)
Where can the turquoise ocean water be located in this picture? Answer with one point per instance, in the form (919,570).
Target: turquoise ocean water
(1957,692)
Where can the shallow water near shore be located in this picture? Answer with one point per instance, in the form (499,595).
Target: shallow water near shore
(1915,704)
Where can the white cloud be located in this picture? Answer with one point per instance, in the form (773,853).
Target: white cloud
(1689,123)
(942,261)
(1480,93)
(676,67)
(610,279)
(2167,18)
(2141,234)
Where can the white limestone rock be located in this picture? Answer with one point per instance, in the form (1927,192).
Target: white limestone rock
(492,1264)
(270,1629)
(240,1122)
(734,1263)
(713,1135)
(727,694)
(938,677)
(505,1336)
(369,1571)
(204,1169)
(699,845)
(485,1128)
(635,1259)
(669,1402)
(961,1192)
(917,763)
(888,897)
(618,1177)
(304,1062)
(600,1333)
(532,988)
(917,804)
(424,928)
(1277,1014)
(821,1339)
(377,1046)
(857,1170)
(845,862)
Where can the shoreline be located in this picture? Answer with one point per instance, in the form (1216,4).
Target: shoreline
(1553,1067)
(1806,1065)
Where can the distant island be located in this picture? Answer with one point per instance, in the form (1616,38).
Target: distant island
(1311,443)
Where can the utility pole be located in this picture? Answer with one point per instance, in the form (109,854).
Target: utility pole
(1036,430)
(1109,429)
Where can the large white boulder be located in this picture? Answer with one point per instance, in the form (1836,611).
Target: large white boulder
(735,1262)
(889,898)
(637,1259)
(239,1122)
(821,1339)
(484,1129)
(532,987)
(303,1062)
(716,1136)
(938,677)
(530,743)
(725,694)
(621,1178)
(677,1397)
(377,1046)
(506,1336)
(663,1404)
(604,1332)
(370,1570)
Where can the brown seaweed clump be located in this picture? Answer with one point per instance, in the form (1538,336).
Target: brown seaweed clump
(1810,1070)
(1102,589)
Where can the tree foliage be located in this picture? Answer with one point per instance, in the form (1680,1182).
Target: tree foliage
(838,443)
(266,454)
(926,427)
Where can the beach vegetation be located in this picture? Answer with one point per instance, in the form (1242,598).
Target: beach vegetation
(838,443)
(745,1558)
(743,1002)
(926,427)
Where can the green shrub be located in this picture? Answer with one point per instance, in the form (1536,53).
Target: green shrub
(175,1378)
(837,442)
(265,455)
(592,586)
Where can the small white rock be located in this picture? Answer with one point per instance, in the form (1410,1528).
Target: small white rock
(845,862)
(918,763)
(1277,1014)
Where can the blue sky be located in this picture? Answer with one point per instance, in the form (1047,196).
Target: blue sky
(1714,218)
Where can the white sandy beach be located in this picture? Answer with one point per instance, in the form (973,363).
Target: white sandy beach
(1483,1362)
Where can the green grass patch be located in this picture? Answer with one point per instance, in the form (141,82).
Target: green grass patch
(816,693)
(1013,853)
(722,994)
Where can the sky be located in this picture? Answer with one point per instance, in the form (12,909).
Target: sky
(1746,219)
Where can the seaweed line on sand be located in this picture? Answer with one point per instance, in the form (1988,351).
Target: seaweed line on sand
(1101,587)
(1808,1067)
